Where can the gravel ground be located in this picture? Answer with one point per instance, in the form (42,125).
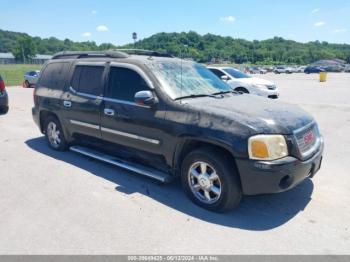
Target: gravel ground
(63,203)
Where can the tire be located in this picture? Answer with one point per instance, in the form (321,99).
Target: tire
(223,190)
(54,134)
(4,110)
(242,90)
(26,84)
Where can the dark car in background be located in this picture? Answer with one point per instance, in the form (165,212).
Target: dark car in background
(4,102)
(313,70)
(333,69)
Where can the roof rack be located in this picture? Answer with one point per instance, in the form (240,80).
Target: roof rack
(143,52)
(87,54)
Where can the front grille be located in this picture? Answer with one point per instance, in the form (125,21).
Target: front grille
(308,140)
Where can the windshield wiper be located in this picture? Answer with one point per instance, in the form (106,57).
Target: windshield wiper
(222,92)
(194,96)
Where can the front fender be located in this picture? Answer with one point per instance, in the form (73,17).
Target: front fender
(182,140)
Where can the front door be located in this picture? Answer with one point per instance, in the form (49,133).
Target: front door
(122,120)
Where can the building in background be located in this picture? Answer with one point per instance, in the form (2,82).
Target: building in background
(8,58)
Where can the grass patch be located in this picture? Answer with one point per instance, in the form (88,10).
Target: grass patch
(13,74)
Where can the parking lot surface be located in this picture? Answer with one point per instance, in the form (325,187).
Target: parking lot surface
(63,203)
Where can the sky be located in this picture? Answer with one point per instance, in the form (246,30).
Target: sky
(114,21)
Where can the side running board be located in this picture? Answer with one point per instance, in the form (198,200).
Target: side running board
(137,168)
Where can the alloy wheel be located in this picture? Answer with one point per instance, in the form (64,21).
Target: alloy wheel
(204,182)
(53,134)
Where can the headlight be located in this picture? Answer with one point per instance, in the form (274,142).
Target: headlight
(271,87)
(260,86)
(267,147)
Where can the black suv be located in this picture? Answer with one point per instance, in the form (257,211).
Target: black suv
(164,117)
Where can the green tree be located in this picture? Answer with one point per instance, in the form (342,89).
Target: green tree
(24,48)
(202,48)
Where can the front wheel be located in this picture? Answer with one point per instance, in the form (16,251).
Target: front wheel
(209,178)
(242,90)
(54,134)
(26,84)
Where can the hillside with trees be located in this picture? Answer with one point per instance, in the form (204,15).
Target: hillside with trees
(202,48)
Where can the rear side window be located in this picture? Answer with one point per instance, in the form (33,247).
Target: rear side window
(88,79)
(124,83)
(55,75)
(218,73)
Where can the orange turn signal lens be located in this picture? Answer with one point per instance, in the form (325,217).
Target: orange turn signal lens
(259,149)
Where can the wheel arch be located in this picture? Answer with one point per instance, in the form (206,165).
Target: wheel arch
(187,144)
(44,114)
(242,89)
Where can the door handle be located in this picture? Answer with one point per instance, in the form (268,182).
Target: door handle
(67,103)
(109,112)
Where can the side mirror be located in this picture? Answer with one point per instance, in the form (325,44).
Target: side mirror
(225,78)
(145,98)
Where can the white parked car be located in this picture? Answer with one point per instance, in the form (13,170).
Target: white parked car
(244,83)
(291,70)
(301,69)
(279,70)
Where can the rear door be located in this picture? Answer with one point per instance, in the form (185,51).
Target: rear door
(52,84)
(83,100)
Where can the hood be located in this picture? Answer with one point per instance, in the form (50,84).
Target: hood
(254,81)
(259,115)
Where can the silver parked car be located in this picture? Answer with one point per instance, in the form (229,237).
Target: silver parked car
(347,68)
(30,78)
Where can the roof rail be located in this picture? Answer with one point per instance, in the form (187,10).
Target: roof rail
(143,52)
(86,54)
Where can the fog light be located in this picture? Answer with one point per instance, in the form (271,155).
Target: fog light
(286,182)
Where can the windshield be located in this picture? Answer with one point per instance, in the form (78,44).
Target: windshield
(190,79)
(236,73)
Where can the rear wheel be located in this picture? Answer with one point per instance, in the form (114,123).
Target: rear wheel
(54,134)
(210,180)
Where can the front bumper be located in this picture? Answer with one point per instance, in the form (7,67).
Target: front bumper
(262,177)
(267,93)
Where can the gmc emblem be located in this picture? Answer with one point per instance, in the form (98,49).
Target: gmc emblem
(308,138)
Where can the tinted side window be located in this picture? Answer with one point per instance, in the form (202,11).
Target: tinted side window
(55,75)
(217,72)
(88,79)
(124,83)
(76,77)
